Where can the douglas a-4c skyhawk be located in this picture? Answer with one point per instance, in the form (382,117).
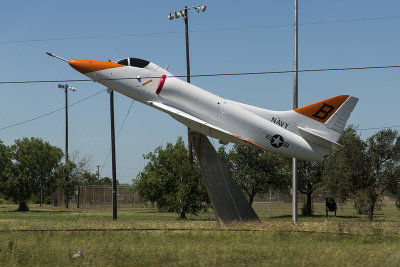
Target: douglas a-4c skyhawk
(309,132)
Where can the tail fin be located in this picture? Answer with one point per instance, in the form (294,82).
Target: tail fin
(333,113)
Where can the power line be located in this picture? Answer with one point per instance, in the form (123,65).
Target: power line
(291,25)
(291,71)
(208,75)
(45,81)
(50,113)
(197,31)
(378,128)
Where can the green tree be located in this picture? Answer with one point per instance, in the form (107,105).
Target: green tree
(309,182)
(344,170)
(384,157)
(171,182)
(88,178)
(68,177)
(34,162)
(73,174)
(256,171)
(364,170)
(106,181)
(5,165)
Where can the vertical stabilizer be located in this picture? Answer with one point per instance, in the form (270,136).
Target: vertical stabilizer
(338,120)
(323,110)
(332,113)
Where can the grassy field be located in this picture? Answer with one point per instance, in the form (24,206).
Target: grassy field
(144,237)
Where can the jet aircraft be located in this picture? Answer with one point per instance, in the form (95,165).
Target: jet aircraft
(310,132)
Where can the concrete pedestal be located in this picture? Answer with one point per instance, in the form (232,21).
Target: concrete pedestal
(227,199)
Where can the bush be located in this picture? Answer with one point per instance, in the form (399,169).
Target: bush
(362,203)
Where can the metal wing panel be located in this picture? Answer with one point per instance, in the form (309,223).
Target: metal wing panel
(202,126)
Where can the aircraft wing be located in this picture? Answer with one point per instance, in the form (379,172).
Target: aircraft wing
(202,126)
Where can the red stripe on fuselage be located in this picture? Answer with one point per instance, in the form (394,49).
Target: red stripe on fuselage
(161,84)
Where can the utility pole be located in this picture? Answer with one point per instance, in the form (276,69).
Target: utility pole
(66,123)
(98,174)
(114,173)
(185,17)
(295,105)
(184,13)
(66,88)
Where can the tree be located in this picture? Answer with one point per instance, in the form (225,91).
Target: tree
(310,181)
(344,170)
(74,173)
(68,177)
(364,170)
(384,157)
(32,172)
(5,165)
(171,181)
(256,171)
(88,178)
(106,181)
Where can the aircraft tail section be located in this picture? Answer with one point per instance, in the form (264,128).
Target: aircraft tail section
(333,112)
(320,123)
(332,115)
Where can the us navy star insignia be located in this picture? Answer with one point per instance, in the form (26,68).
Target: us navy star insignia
(277,140)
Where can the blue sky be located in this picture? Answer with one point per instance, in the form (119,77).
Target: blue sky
(119,28)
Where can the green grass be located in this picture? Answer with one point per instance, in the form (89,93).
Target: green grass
(199,241)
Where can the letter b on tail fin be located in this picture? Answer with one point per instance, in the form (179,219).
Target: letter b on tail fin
(323,110)
(333,112)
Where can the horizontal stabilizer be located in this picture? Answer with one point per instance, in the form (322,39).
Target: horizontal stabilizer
(314,137)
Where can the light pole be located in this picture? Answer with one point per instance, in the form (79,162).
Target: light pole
(66,87)
(113,163)
(295,105)
(184,14)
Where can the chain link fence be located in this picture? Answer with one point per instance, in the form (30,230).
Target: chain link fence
(98,197)
(273,204)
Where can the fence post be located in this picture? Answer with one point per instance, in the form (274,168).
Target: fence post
(78,197)
(84,198)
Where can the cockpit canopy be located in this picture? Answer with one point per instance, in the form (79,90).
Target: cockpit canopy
(134,62)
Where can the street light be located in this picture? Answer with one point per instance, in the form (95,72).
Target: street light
(184,13)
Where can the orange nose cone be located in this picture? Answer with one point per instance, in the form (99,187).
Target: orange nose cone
(85,66)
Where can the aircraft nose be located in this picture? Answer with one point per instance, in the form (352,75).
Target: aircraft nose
(86,66)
